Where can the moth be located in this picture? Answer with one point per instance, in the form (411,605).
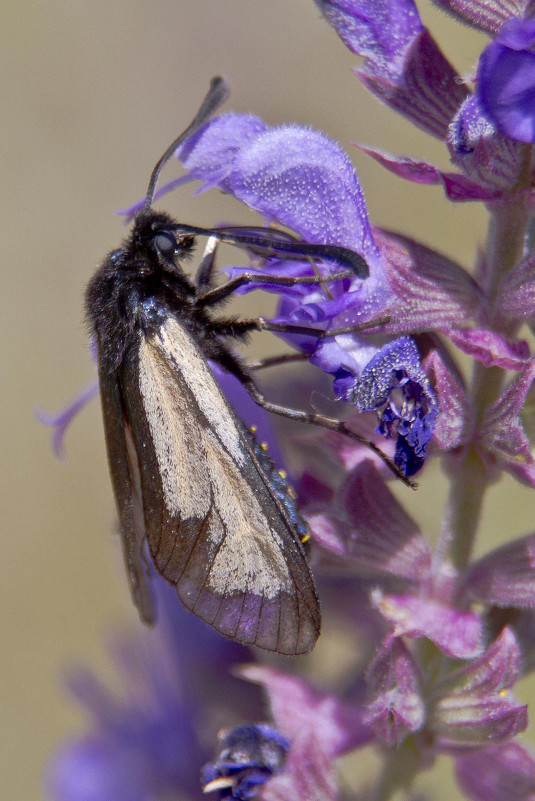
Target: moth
(194,490)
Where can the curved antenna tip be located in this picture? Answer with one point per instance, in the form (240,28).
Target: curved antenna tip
(216,95)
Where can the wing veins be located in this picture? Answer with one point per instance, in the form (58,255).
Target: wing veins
(201,532)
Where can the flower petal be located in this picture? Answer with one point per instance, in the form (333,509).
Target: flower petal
(455,422)
(432,291)
(506,576)
(457,634)
(296,709)
(497,773)
(491,348)
(497,669)
(506,77)
(395,704)
(502,435)
(309,774)
(403,65)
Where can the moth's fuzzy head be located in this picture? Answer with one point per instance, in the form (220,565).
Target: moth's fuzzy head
(154,236)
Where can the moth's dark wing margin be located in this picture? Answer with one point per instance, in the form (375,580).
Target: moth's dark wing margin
(214,526)
(127,494)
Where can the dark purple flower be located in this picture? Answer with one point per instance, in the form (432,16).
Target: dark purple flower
(248,757)
(506,80)
(391,382)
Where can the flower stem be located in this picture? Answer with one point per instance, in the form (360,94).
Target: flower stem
(469,476)
(400,767)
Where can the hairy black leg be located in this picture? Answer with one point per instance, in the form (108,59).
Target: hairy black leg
(331,424)
(275,361)
(221,293)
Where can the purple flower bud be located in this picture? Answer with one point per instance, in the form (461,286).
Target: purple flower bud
(506,80)
(395,704)
(485,157)
(248,757)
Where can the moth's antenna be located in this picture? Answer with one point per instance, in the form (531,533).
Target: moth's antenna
(217,94)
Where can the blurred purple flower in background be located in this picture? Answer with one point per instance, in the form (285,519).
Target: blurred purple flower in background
(444,637)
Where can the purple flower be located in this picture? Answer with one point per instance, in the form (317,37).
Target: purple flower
(403,65)
(506,80)
(497,773)
(301,179)
(391,382)
(248,757)
(442,637)
(149,740)
(395,706)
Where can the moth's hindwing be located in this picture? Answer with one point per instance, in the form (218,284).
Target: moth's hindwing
(126,486)
(215,526)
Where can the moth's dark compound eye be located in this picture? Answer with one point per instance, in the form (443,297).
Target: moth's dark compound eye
(165,243)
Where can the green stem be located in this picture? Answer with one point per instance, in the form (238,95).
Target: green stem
(469,481)
(401,765)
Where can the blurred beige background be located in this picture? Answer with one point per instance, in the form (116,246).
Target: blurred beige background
(92,94)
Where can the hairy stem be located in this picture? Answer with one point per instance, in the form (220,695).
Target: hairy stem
(469,478)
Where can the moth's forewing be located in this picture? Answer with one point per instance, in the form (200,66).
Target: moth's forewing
(214,525)
(126,487)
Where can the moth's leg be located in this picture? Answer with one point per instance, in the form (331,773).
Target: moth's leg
(331,424)
(275,361)
(241,327)
(222,292)
(205,272)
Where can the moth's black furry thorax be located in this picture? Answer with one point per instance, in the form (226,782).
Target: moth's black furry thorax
(139,285)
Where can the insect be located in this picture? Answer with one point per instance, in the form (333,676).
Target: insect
(192,486)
